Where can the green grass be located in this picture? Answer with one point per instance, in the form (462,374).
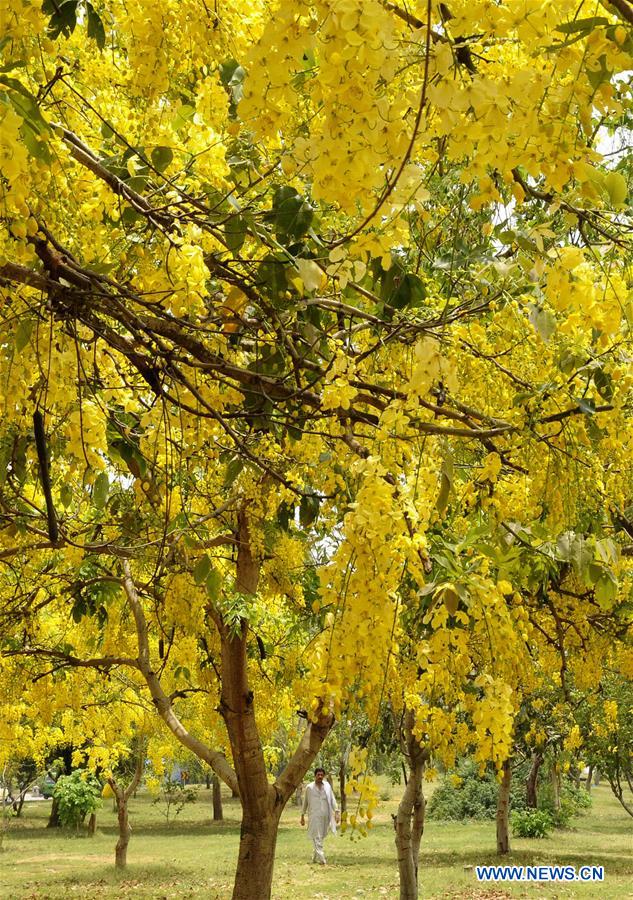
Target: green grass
(193,857)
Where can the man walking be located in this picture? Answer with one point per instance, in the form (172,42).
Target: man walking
(320,804)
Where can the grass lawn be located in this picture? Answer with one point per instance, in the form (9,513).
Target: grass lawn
(193,857)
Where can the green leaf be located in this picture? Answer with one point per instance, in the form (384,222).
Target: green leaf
(308,510)
(311,274)
(616,187)
(95,26)
(446,481)
(449,597)
(184,115)
(63,17)
(271,278)
(214,584)
(162,157)
(543,322)
(235,233)
(100,490)
(201,569)
(582,25)
(291,214)
(596,77)
(233,469)
(606,590)
(23,334)
(25,104)
(284,515)
(409,293)
(37,148)
(603,383)
(66,495)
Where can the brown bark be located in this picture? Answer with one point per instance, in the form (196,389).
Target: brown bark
(555,776)
(256,858)
(341,784)
(588,779)
(217,799)
(120,852)
(262,803)
(122,796)
(503,810)
(532,798)
(92,824)
(53,819)
(409,821)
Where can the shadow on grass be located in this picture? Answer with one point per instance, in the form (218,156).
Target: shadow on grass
(159,829)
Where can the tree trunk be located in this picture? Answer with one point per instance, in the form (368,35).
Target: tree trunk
(588,779)
(53,819)
(92,824)
(341,785)
(555,776)
(207,779)
(217,800)
(409,821)
(256,859)
(120,852)
(262,803)
(299,795)
(503,809)
(122,796)
(532,798)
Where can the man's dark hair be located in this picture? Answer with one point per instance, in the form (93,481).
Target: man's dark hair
(319,769)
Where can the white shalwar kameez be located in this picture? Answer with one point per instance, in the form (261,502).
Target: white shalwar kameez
(320,804)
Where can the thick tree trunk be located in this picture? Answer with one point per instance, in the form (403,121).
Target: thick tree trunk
(532,798)
(503,810)
(92,824)
(120,852)
(217,800)
(256,859)
(409,821)
(588,779)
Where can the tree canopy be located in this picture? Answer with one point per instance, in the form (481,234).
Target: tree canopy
(316,364)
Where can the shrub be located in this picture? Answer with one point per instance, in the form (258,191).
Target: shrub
(175,796)
(573,801)
(77,795)
(465,794)
(531,823)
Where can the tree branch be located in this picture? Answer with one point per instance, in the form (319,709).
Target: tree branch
(214,758)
